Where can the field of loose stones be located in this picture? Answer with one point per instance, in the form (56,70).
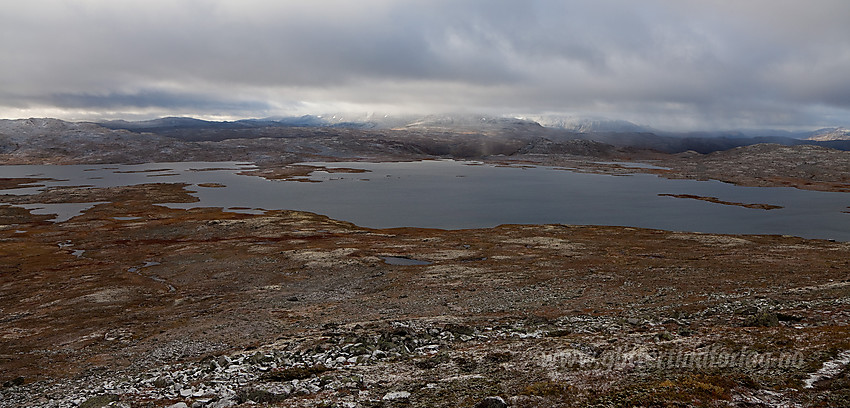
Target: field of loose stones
(138,305)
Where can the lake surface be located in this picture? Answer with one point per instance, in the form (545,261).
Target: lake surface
(453,194)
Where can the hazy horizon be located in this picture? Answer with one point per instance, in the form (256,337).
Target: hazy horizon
(566,121)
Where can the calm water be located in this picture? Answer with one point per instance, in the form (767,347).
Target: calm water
(450,194)
(396,260)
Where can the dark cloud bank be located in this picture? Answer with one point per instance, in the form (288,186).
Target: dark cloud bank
(668,64)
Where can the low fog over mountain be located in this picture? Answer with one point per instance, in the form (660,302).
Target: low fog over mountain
(617,133)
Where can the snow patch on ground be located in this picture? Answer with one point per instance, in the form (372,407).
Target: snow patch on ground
(829,369)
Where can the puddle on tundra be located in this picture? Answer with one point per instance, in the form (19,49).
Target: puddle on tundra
(400,260)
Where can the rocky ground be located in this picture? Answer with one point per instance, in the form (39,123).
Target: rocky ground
(134,304)
(763,165)
(138,305)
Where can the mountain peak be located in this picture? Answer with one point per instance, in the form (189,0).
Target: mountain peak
(829,134)
(589,124)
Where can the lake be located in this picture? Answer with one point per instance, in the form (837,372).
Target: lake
(456,194)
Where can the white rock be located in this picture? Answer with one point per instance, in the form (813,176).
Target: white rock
(429,349)
(223,403)
(287,389)
(179,405)
(396,395)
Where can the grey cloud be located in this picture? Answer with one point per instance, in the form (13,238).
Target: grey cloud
(760,62)
(149,99)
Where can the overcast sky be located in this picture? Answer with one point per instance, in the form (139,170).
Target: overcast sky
(671,64)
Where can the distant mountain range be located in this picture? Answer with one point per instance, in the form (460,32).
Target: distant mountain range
(618,133)
(449,121)
(175,123)
(468,135)
(281,139)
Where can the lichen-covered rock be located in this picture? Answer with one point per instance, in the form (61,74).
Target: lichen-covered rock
(492,402)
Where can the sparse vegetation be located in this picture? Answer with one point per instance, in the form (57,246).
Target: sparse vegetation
(99,401)
(762,319)
(291,307)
